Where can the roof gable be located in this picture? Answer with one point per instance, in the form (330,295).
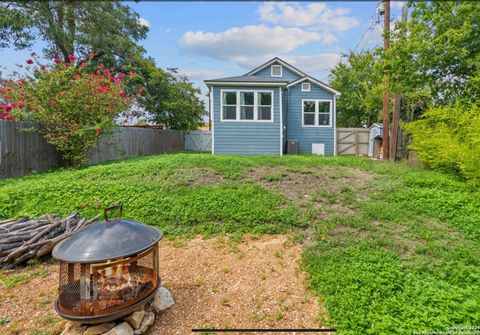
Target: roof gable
(314,82)
(250,78)
(279,61)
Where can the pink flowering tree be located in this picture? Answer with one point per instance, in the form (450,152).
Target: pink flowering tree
(69,105)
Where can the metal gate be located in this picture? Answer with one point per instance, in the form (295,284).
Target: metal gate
(352,141)
(198,140)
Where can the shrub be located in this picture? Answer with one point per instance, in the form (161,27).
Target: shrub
(449,138)
(69,106)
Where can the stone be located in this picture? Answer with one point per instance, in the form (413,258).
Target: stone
(74,328)
(99,329)
(135,319)
(147,321)
(122,329)
(163,299)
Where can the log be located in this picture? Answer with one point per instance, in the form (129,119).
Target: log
(11,239)
(9,246)
(6,234)
(19,235)
(43,232)
(37,238)
(34,226)
(10,222)
(7,221)
(86,223)
(19,225)
(24,257)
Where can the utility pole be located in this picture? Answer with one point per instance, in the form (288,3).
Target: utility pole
(396,107)
(395,125)
(386,45)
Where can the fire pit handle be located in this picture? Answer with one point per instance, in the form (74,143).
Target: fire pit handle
(110,208)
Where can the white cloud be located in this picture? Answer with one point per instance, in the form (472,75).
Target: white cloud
(316,15)
(201,74)
(316,63)
(247,44)
(143,22)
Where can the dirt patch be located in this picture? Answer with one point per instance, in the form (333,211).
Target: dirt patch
(29,305)
(198,177)
(215,282)
(325,185)
(253,284)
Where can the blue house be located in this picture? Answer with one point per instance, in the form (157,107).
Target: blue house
(274,104)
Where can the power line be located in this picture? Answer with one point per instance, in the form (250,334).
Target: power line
(373,24)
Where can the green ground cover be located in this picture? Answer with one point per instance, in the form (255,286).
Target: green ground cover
(389,249)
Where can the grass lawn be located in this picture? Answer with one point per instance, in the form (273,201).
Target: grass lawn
(389,249)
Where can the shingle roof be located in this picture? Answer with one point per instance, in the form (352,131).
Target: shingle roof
(247,79)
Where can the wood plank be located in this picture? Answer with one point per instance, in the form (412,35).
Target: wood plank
(22,152)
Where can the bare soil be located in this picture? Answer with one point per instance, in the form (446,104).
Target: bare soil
(198,176)
(215,282)
(319,186)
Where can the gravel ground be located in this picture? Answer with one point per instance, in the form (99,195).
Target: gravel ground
(218,282)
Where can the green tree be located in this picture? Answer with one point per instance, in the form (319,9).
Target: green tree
(168,98)
(359,79)
(436,52)
(183,109)
(108,29)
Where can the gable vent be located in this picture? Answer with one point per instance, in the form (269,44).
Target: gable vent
(276,70)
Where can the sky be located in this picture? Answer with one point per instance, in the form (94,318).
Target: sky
(207,40)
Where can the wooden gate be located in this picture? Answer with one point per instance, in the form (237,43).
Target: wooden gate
(198,140)
(352,141)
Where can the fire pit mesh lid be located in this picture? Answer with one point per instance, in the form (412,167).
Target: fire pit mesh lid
(107,240)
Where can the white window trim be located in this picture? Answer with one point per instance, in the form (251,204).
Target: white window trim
(255,106)
(281,70)
(304,90)
(316,114)
(213,120)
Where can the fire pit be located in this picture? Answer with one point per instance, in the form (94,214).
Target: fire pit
(107,270)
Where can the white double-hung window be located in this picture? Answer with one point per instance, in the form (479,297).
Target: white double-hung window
(247,105)
(264,106)
(229,106)
(316,113)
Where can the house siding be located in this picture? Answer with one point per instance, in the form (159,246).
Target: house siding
(246,138)
(287,75)
(307,135)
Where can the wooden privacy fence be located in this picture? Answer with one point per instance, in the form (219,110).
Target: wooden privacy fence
(352,141)
(23,152)
(198,140)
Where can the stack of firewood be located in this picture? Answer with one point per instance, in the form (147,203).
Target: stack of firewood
(24,239)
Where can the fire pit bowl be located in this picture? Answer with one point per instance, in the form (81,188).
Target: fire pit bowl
(107,270)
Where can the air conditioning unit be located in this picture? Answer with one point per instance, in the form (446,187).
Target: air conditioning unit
(292,147)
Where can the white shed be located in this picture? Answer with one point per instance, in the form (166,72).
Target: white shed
(375,140)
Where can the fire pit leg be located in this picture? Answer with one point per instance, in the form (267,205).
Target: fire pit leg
(85,297)
(155,266)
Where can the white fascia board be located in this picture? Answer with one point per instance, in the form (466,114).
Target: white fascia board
(237,83)
(315,82)
(275,60)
